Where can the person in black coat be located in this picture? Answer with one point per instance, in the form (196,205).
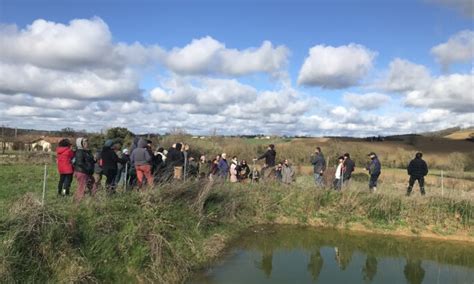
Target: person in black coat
(109,164)
(417,170)
(175,162)
(349,167)
(270,157)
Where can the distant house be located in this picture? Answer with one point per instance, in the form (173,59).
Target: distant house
(45,144)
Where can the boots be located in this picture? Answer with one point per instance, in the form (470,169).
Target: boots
(409,189)
(422,191)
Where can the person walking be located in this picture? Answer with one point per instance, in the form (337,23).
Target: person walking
(83,169)
(223,167)
(417,170)
(64,156)
(233,170)
(270,157)
(142,160)
(349,167)
(374,168)
(319,166)
(287,173)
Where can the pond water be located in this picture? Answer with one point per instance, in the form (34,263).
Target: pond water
(287,254)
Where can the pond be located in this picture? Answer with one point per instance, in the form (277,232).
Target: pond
(288,254)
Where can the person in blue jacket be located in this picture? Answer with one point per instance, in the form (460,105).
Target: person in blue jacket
(374,168)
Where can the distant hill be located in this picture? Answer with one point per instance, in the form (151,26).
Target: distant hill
(464,134)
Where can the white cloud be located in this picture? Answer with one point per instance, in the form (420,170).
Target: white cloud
(208,94)
(369,101)
(86,84)
(336,67)
(83,43)
(453,92)
(77,60)
(404,75)
(458,49)
(206,56)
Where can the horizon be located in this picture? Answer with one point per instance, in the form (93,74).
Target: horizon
(279,68)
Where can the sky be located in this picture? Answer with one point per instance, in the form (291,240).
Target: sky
(318,68)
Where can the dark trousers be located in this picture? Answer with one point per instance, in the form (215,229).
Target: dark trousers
(373,181)
(65,181)
(110,175)
(421,183)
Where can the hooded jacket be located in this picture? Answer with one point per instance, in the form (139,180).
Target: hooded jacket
(109,157)
(64,160)
(141,155)
(84,160)
(270,157)
(417,168)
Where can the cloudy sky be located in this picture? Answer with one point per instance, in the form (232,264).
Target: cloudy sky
(238,67)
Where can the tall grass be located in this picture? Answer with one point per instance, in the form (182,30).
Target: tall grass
(163,235)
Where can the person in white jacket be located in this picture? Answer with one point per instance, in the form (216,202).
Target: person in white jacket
(339,174)
(233,170)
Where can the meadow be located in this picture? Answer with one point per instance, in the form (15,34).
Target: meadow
(166,234)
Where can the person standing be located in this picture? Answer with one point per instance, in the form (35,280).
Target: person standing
(374,168)
(233,170)
(109,164)
(83,169)
(175,160)
(243,171)
(204,167)
(337,184)
(223,167)
(270,157)
(213,173)
(65,168)
(142,160)
(287,173)
(349,167)
(319,166)
(417,170)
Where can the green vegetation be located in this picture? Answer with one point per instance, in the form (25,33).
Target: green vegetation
(167,233)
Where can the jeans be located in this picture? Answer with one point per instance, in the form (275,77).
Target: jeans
(319,180)
(65,181)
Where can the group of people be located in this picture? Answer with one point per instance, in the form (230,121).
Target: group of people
(140,165)
(417,170)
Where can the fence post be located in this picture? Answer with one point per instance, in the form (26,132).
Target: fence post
(126,178)
(442,183)
(44,183)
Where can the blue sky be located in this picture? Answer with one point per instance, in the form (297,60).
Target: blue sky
(390,29)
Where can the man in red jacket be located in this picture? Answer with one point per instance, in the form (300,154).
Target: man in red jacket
(65,168)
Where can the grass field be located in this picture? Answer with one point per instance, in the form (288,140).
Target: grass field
(166,234)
